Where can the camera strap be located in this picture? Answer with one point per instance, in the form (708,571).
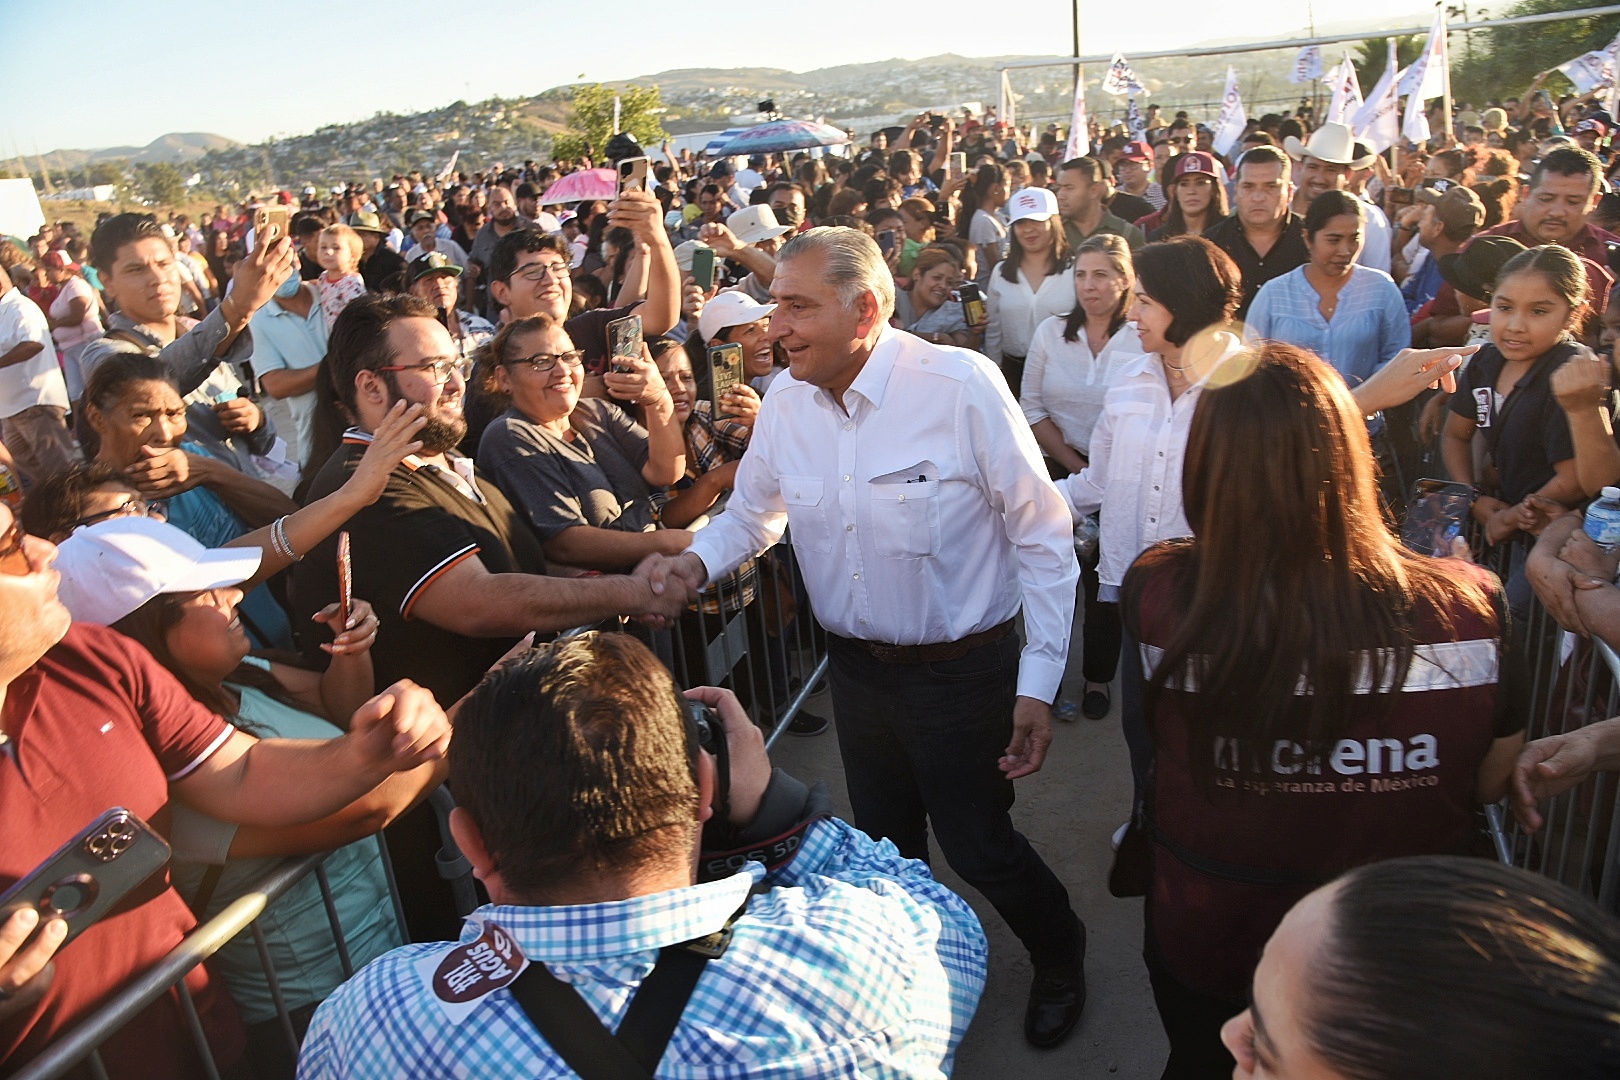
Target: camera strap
(578,1035)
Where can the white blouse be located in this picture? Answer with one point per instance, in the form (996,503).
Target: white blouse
(1066,384)
(1014,310)
(1134,475)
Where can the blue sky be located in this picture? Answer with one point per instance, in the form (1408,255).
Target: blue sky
(246,72)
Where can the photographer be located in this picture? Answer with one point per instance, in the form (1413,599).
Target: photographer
(586,785)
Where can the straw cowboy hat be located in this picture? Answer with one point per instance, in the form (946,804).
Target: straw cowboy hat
(1332,143)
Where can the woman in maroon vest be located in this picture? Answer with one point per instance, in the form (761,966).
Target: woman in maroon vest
(1319,697)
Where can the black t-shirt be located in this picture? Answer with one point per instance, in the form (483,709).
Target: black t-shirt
(384,270)
(1526,432)
(1288,253)
(588,332)
(420,528)
(1132,208)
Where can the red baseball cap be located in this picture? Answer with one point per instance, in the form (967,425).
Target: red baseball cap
(1194,163)
(1137,151)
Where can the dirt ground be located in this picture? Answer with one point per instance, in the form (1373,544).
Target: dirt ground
(1068,810)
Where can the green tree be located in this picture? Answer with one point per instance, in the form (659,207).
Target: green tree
(590,124)
(106,172)
(1505,60)
(162,183)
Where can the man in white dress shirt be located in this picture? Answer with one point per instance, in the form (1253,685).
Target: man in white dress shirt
(923,520)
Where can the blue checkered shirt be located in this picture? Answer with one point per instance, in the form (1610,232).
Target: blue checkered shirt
(856,963)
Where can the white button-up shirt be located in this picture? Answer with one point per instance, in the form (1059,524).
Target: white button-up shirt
(1014,310)
(921,516)
(1134,471)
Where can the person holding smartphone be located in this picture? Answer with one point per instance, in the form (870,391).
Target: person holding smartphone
(97,715)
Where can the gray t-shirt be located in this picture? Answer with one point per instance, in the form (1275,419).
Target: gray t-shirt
(592,479)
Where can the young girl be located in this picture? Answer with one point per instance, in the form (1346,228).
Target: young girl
(1506,395)
(338,251)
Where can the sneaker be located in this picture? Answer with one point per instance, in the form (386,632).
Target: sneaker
(807,724)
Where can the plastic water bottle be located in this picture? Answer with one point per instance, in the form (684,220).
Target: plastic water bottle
(1603,519)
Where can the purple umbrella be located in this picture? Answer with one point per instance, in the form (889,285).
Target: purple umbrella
(586,185)
(779,135)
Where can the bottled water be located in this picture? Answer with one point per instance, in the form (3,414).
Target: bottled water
(1603,519)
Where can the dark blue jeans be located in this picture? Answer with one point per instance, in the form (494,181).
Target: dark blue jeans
(920,744)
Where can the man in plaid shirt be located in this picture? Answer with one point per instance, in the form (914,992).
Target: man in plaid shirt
(583,801)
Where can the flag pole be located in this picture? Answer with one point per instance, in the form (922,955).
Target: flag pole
(1445,99)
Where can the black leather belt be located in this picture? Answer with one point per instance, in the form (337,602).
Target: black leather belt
(931,654)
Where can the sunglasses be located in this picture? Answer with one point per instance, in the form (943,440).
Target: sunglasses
(134,506)
(13,559)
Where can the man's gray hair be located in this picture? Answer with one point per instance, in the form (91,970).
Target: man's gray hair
(854,264)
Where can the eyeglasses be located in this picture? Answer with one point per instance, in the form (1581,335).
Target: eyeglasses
(543,362)
(13,559)
(537,271)
(134,506)
(439,366)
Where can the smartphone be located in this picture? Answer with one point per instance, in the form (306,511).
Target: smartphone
(269,224)
(973,310)
(725,370)
(1436,516)
(1400,196)
(89,875)
(345,581)
(703,268)
(632,174)
(624,342)
(957,164)
(886,241)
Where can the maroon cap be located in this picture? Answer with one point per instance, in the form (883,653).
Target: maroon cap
(1137,151)
(1195,163)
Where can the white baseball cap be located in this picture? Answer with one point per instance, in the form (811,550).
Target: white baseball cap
(1035,203)
(755,223)
(113,567)
(685,251)
(730,309)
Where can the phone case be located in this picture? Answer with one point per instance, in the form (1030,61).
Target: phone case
(1436,515)
(345,579)
(703,268)
(624,338)
(633,174)
(88,876)
(725,370)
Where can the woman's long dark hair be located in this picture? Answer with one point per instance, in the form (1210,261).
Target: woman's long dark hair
(1056,262)
(149,625)
(1175,220)
(1437,967)
(1292,571)
(989,175)
(1117,251)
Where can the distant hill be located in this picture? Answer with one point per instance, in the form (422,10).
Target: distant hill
(175,148)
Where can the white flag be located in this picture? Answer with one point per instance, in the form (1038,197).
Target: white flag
(1120,78)
(1079,137)
(1613,52)
(444,173)
(1426,78)
(1588,71)
(1379,121)
(1416,125)
(1307,65)
(1134,120)
(1346,89)
(1229,128)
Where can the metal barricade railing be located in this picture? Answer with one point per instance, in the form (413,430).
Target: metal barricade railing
(79,1043)
(1572,683)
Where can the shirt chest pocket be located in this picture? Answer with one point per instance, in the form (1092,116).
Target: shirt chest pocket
(905,519)
(807,513)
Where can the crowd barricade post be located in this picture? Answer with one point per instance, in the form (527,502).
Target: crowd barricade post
(1572,683)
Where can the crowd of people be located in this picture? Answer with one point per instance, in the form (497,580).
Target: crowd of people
(292,516)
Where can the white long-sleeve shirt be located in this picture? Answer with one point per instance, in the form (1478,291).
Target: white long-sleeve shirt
(921,516)
(1134,470)
(1014,310)
(1066,384)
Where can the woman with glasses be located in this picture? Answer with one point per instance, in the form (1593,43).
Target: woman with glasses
(581,470)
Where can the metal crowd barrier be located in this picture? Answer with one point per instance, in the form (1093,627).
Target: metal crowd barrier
(1572,682)
(80,1043)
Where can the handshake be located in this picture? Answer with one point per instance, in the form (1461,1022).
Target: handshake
(673,582)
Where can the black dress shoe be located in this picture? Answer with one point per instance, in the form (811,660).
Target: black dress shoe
(1056,998)
(1095,704)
